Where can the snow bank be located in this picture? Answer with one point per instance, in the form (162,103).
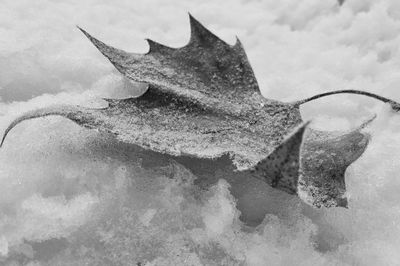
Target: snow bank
(71,197)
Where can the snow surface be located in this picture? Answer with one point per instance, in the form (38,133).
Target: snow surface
(69,196)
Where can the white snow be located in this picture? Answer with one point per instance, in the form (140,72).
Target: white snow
(71,197)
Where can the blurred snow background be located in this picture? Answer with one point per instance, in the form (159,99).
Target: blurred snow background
(69,196)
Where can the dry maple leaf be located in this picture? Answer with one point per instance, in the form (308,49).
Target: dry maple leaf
(203,100)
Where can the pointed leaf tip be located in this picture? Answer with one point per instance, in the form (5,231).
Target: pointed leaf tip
(155,47)
(116,56)
(238,43)
(85,33)
(238,46)
(200,34)
(281,167)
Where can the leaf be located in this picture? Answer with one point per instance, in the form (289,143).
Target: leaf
(281,168)
(203,100)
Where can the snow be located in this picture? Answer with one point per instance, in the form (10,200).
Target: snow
(69,196)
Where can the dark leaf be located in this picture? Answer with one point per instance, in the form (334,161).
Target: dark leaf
(203,100)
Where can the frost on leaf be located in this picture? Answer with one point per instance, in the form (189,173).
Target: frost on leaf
(203,100)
